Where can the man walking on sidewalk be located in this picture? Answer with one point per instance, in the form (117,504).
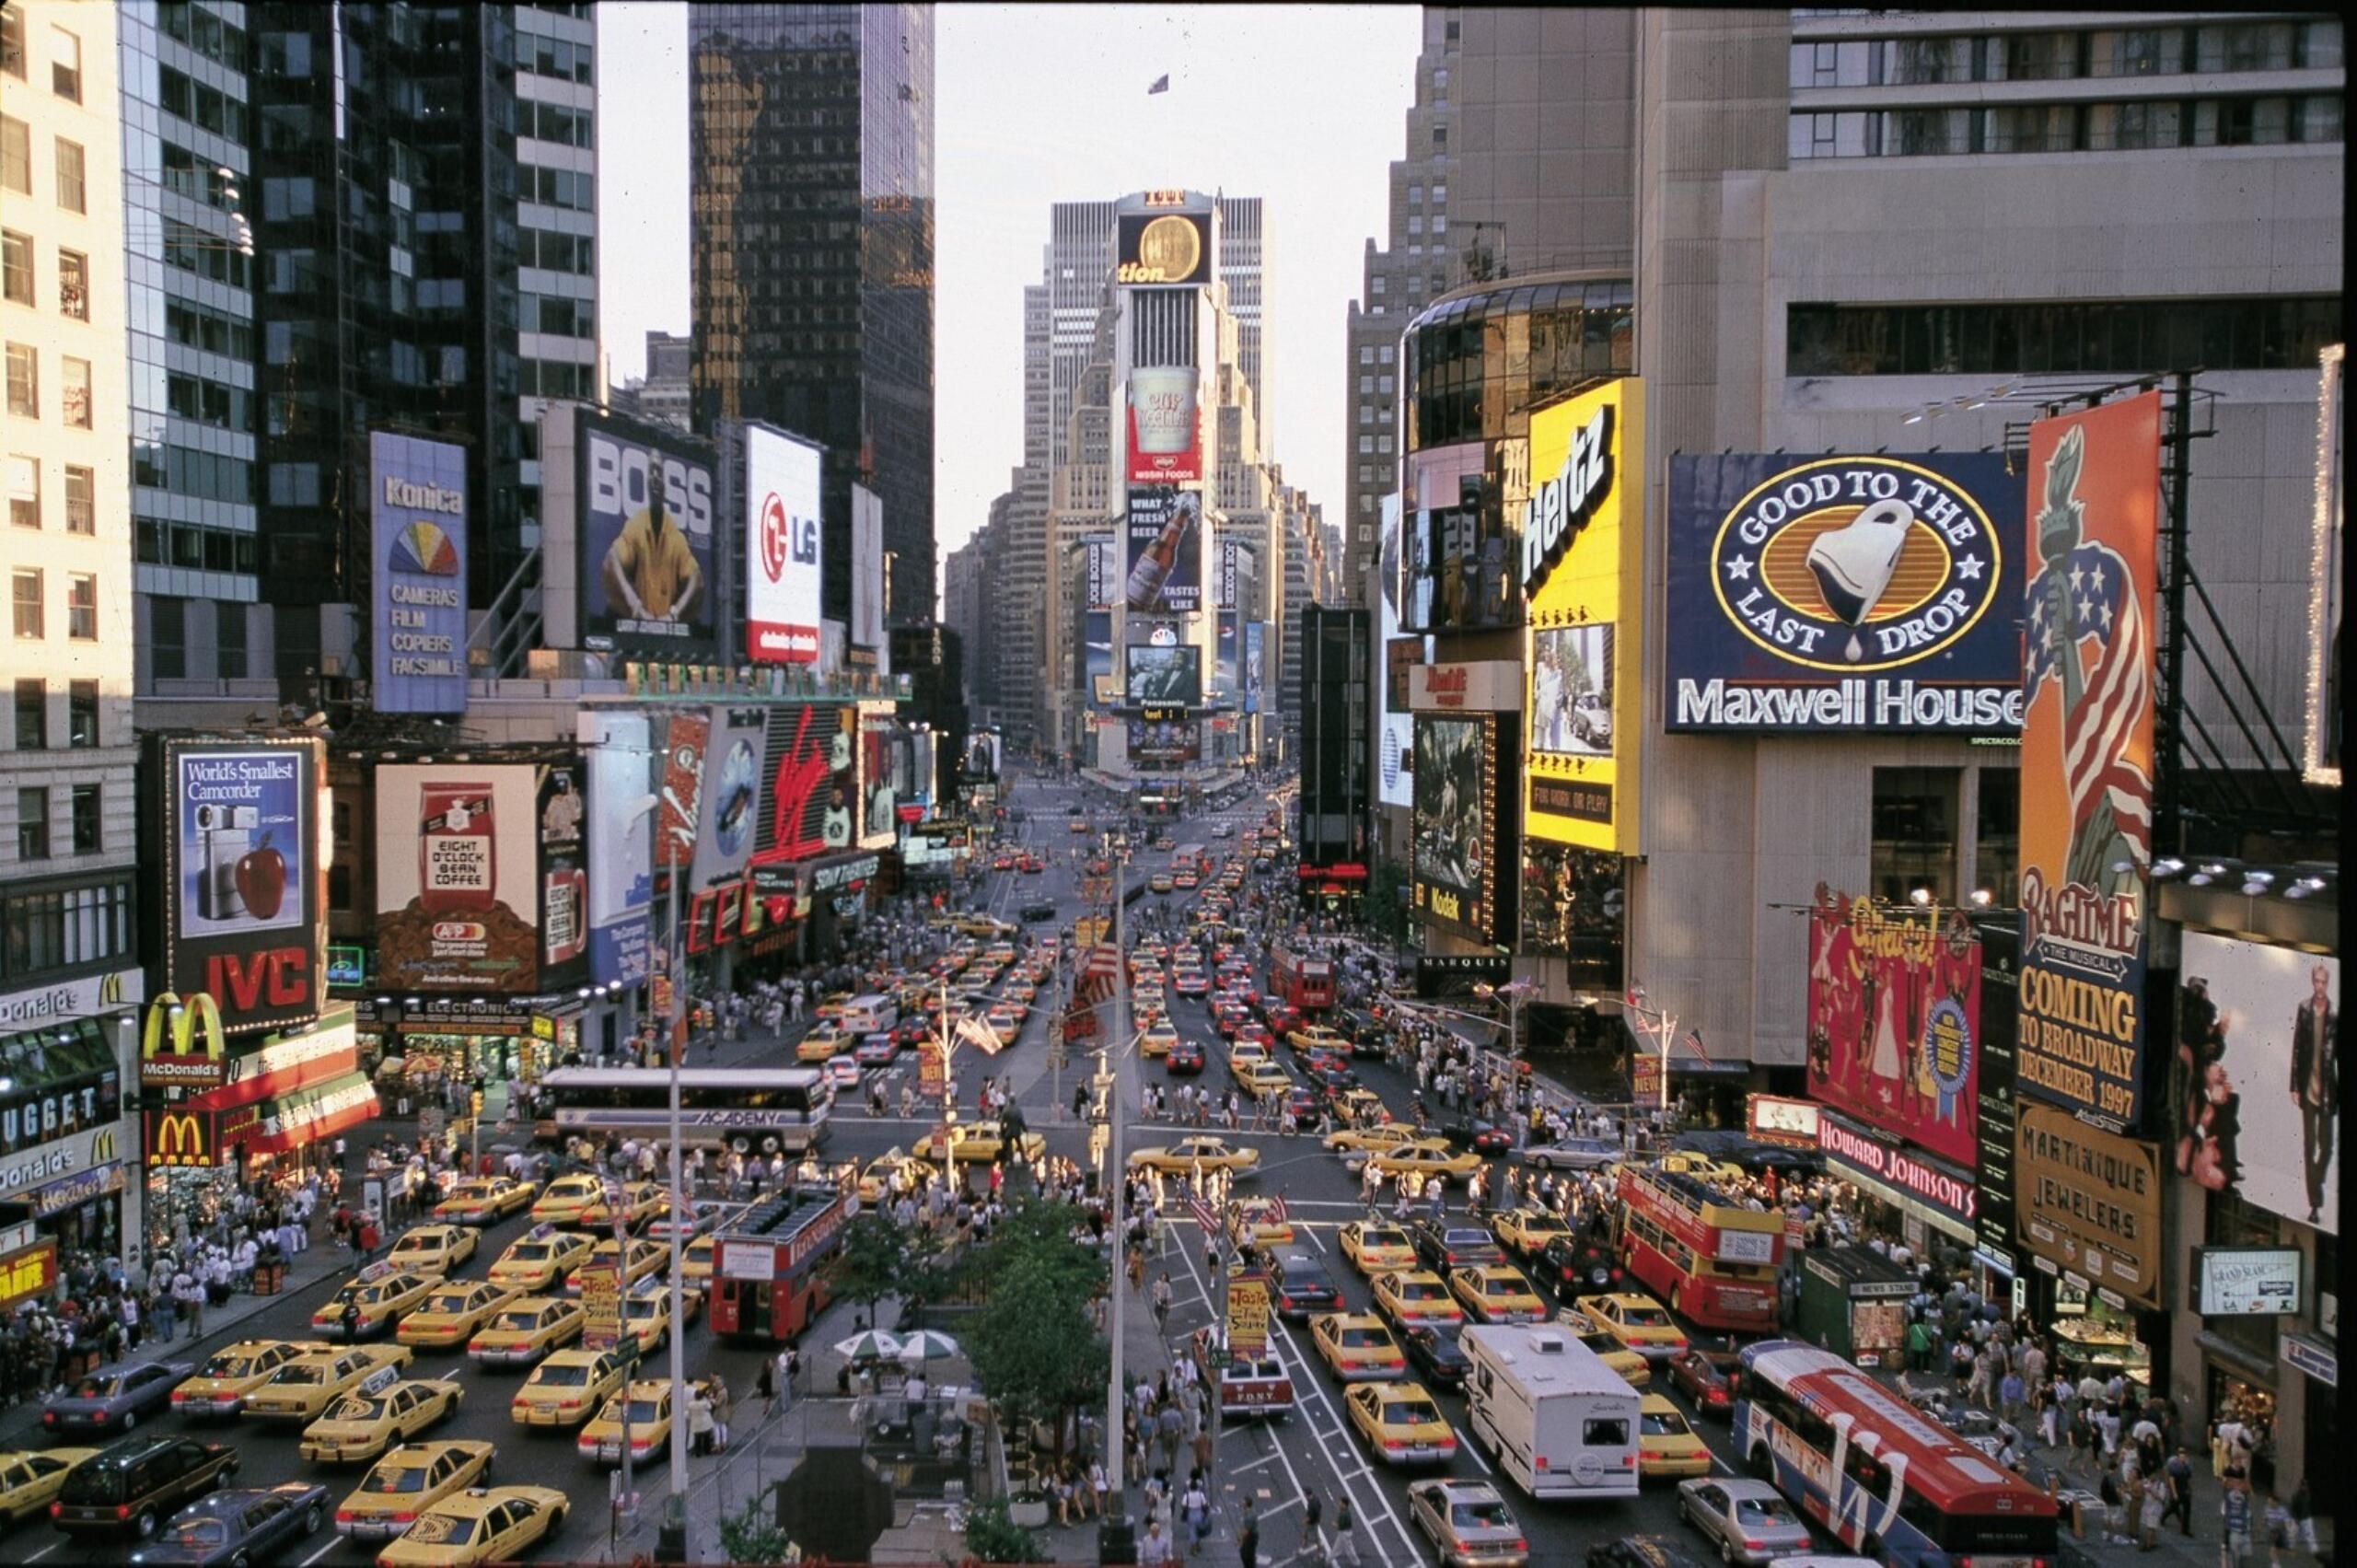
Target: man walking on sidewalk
(2178,1475)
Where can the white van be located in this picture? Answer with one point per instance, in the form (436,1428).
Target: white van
(1550,1414)
(870,1015)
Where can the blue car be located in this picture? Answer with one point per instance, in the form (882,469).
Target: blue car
(249,1525)
(115,1398)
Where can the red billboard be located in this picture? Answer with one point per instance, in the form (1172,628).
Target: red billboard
(1894,1031)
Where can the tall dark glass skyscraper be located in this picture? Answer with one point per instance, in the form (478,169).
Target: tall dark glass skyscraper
(812,155)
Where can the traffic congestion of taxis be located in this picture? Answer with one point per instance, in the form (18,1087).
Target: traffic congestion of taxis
(1494,1349)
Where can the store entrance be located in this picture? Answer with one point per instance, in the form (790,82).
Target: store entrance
(2232,1398)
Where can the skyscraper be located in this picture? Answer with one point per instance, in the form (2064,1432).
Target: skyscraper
(811,146)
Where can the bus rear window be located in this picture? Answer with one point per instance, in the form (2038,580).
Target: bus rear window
(1612,1433)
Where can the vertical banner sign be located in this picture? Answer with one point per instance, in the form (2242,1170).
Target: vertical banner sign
(878,821)
(782,534)
(813,804)
(1255,665)
(1163,549)
(241,838)
(1894,1008)
(565,878)
(459,851)
(1104,571)
(2001,947)
(1248,1315)
(1584,589)
(417,523)
(602,1303)
(686,736)
(1453,861)
(621,769)
(2090,1201)
(645,533)
(2087,766)
(1227,668)
(731,798)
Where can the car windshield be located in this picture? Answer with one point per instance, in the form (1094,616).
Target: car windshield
(642,1412)
(1360,1339)
(529,1251)
(97,1387)
(1382,1238)
(1664,1423)
(1488,1514)
(392,1480)
(299,1374)
(1468,1239)
(1645,1317)
(1412,1412)
(1421,1290)
(561,1376)
(356,1409)
(197,1533)
(1501,1285)
(443,1529)
(229,1366)
(520,1322)
(445,1301)
(1749,1511)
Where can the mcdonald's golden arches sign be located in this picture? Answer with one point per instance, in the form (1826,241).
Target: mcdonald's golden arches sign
(179,1137)
(198,1057)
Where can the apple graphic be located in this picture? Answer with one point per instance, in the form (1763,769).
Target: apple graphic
(261,879)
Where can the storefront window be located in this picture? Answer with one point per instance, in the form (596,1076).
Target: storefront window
(2235,1223)
(2091,1336)
(1997,834)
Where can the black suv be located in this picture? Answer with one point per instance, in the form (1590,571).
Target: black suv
(1038,912)
(1578,1265)
(131,1485)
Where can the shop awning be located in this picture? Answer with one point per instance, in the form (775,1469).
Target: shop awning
(289,1122)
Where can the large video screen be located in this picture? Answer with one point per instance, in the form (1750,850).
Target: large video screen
(1163,677)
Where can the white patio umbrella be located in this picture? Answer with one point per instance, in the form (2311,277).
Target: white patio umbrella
(870,1344)
(928,1344)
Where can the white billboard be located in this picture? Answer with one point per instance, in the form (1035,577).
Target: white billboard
(1394,727)
(783,536)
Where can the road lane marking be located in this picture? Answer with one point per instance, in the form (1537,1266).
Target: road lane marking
(331,1545)
(1465,1445)
(53,1546)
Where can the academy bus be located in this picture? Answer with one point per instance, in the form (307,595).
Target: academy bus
(752,1111)
(1880,1476)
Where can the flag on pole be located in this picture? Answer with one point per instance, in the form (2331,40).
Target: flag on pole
(979,1034)
(1276,1203)
(1161,84)
(1204,1216)
(1694,1039)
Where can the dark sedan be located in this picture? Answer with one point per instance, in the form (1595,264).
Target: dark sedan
(1304,1286)
(1442,1246)
(114,1399)
(1481,1137)
(1578,1265)
(1185,1060)
(249,1525)
(1437,1354)
(1707,1378)
(1642,1552)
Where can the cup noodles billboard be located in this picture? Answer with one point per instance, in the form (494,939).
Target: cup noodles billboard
(240,826)
(1166,426)
(783,535)
(1894,1030)
(459,854)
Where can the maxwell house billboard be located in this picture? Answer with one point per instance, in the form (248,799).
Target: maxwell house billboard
(1854,594)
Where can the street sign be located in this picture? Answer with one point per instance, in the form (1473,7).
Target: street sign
(1222,1359)
(601,1302)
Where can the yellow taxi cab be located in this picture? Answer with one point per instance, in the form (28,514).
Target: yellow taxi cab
(1317,1037)
(486,1201)
(1666,1443)
(646,1311)
(641,1200)
(823,1044)
(221,1385)
(1426,1157)
(380,1293)
(1637,1322)
(561,1201)
(362,1426)
(1246,1054)
(1415,1297)
(650,1423)
(491,1524)
(1496,1293)
(1157,1038)
(1382,1135)
(875,1177)
(1361,1107)
(643,1259)
(1357,1348)
(29,1480)
(1376,1246)
(1689,1162)
(1634,1368)
(540,1257)
(435,1248)
(526,1330)
(1257,1221)
(1263,1080)
(304,1387)
(566,1388)
(1160,882)
(978,1142)
(1528,1231)
(452,1312)
(1402,1423)
(1187,1154)
(695,1264)
(408,1481)
(830,1006)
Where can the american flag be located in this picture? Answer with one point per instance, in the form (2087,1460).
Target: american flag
(1277,1209)
(977,1033)
(1204,1216)
(2106,622)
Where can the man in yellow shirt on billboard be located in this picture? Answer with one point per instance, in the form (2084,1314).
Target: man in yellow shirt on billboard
(650,570)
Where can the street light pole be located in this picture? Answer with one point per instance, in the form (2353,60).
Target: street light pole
(675,1506)
(1116,1538)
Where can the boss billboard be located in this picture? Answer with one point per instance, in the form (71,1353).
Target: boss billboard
(1845,594)
(782,531)
(240,825)
(643,538)
(417,524)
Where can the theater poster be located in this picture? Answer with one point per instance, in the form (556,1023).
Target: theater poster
(1894,1032)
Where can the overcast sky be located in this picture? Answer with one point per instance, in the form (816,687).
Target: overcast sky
(1305,106)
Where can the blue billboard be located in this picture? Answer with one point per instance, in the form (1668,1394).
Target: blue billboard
(417,510)
(1255,666)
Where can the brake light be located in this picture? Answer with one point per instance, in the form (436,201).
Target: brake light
(55,1509)
(403,1518)
(344,1515)
(1758,1546)
(1393,1444)
(1520,1544)
(49,1418)
(122,1512)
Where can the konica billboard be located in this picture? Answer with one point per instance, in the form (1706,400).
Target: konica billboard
(782,583)
(417,523)
(1857,594)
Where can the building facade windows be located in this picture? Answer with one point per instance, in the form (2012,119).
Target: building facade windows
(24,381)
(81,499)
(32,716)
(88,810)
(82,607)
(1914,835)
(24,491)
(46,931)
(2015,338)
(73,284)
(73,189)
(25,593)
(2074,127)
(33,824)
(16,268)
(82,715)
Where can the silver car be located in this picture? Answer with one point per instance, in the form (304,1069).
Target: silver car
(1576,1154)
(1748,1520)
(1467,1523)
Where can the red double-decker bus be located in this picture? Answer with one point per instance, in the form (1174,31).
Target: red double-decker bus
(1305,982)
(1713,1261)
(769,1269)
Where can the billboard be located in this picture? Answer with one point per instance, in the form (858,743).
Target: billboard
(2246,1281)
(1583,591)
(729,801)
(1255,667)
(813,804)
(686,735)
(1165,742)
(781,529)
(620,761)
(867,569)
(1166,426)
(457,876)
(1463,549)
(417,527)
(1845,594)
(2255,1091)
(1574,903)
(645,532)
(879,826)
(2001,945)
(1162,250)
(1103,567)
(2090,1203)
(1395,729)
(1096,655)
(1228,655)
(2087,765)
(1171,677)
(564,809)
(1163,549)
(243,845)
(1894,1010)
(981,757)
(1453,864)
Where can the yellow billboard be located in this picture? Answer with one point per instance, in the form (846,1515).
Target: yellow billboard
(1583,635)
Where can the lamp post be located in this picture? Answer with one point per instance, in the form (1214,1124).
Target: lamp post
(1666,1022)
(671,1544)
(1116,1537)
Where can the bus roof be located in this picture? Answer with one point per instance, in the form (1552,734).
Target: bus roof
(690,1077)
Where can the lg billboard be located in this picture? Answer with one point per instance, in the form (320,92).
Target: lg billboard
(783,535)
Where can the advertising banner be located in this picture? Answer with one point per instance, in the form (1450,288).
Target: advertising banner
(1453,872)
(1227,659)
(1163,549)
(457,889)
(1162,250)
(565,878)
(644,526)
(813,804)
(417,523)
(1165,742)
(1248,1314)
(1934,1191)
(2246,1281)
(2254,1090)
(1464,510)
(981,757)
(1169,677)
(1166,425)
(26,1274)
(1772,1119)
(1102,565)
(2086,761)
(686,735)
(866,629)
(1894,1008)
(241,835)
(729,804)
(1845,594)
(1096,653)
(1583,591)
(1574,905)
(878,820)
(2090,1202)
(620,767)
(2001,946)
(1395,731)
(781,529)
(1256,668)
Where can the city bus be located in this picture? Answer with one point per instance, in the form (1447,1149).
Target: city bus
(769,1266)
(1713,1261)
(1305,982)
(750,1110)
(1880,1476)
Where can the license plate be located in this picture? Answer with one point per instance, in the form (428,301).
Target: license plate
(609,1450)
(1423,1451)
